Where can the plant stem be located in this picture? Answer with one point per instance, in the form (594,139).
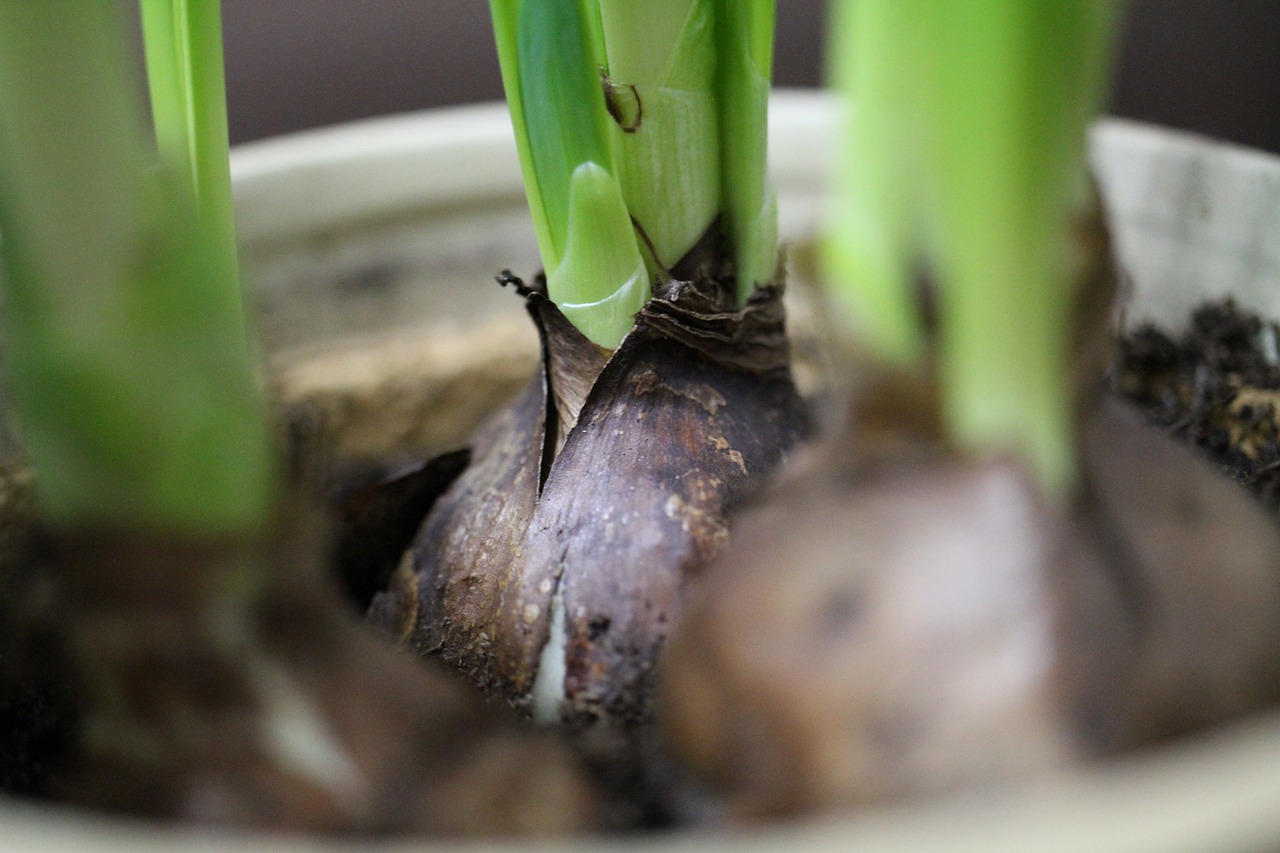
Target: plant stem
(506,32)
(1007,106)
(968,144)
(660,56)
(871,221)
(677,122)
(186,79)
(130,375)
(565,122)
(744,39)
(549,50)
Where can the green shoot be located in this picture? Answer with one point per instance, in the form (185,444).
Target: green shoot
(128,369)
(745,42)
(601,253)
(564,132)
(660,57)
(666,101)
(185,76)
(869,248)
(969,144)
(584,230)
(506,33)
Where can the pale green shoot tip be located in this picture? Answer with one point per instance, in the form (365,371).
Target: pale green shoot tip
(601,281)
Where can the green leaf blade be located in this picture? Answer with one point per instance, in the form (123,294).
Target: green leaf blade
(129,372)
(506,30)
(868,249)
(668,159)
(745,46)
(967,153)
(182,40)
(562,105)
(1010,87)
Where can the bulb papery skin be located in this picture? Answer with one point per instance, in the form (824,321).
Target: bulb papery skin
(552,570)
(1145,609)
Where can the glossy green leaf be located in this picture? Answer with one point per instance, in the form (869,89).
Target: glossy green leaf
(563,106)
(662,53)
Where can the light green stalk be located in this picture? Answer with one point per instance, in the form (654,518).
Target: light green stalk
(870,239)
(549,50)
(660,56)
(564,120)
(638,90)
(128,369)
(506,33)
(744,39)
(186,79)
(601,282)
(990,102)
(1008,167)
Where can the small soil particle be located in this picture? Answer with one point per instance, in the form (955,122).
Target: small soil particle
(1216,387)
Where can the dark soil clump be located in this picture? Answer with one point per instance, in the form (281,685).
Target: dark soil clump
(35,728)
(37,719)
(1216,387)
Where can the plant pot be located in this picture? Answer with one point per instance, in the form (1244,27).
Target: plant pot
(390,231)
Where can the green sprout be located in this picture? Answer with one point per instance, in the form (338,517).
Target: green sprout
(965,152)
(639,125)
(748,202)
(594,268)
(129,371)
(182,41)
(660,58)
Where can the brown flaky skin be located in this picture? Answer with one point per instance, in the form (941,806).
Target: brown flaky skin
(221,683)
(662,441)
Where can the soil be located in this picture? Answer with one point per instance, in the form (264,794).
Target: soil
(35,720)
(1216,387)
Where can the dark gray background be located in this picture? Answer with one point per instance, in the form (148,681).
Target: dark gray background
(1206,65)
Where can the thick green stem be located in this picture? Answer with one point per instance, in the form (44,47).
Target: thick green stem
(967,152)
(128,367)
(551,55)
(1006,110)
(639,90)
(661,63)
(744,40)
(186,79)
(870,229)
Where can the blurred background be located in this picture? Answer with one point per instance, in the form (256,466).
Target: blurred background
(1211,66)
